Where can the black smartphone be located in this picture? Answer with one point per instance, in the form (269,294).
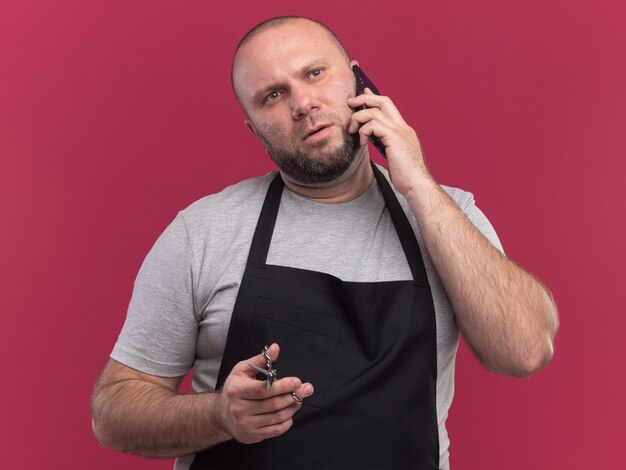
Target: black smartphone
(361,83)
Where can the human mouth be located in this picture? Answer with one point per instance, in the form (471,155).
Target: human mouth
(317,133)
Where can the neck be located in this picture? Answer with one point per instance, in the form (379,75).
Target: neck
(354,182)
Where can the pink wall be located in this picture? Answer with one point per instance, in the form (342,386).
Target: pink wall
(116,114)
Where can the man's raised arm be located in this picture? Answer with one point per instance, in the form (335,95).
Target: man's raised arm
(506,315)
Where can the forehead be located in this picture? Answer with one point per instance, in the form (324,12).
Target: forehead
(275,53)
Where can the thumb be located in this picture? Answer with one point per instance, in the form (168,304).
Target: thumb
(243,368)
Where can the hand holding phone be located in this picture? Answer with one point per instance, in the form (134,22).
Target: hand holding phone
(363,82)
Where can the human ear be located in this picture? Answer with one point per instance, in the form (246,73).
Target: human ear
(250,126)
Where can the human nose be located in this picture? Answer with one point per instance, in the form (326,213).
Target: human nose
(303,101)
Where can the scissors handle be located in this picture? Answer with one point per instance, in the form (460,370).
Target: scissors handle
(271,374)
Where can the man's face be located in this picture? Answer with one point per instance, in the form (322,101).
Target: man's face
(294,82)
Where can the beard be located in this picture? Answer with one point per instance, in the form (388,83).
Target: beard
(330,163)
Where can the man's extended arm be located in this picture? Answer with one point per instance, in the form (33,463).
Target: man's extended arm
(506,315)
(143,414)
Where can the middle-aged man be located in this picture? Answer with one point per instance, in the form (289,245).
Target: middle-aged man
(362,284)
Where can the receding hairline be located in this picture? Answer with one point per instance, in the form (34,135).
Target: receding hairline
(274,23)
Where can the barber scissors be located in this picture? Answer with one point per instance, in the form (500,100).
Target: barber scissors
(270,372)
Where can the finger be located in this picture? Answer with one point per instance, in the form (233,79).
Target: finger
(270,405)
(367,98)
(243,368)
(275,403)
(275,417)
(284,386)
(366,115)
(273,351)
(372,128)
(280,402)
(257,389)
(305,391)
(268,432)
(255,428)
(371,100)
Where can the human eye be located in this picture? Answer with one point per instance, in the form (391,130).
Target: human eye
(316,73)
(272,96)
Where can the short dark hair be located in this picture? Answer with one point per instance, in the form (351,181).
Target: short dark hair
(272,23)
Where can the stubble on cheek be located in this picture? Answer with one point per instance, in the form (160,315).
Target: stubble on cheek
(321,161)
(338,114)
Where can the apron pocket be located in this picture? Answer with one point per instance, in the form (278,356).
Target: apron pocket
(307,342)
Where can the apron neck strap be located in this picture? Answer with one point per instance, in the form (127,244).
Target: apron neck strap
(404,230)
(267,220)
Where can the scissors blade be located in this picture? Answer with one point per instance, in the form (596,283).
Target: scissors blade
(258,369)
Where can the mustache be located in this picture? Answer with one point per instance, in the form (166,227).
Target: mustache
(310,122)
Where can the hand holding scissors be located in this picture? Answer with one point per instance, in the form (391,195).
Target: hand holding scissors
(250,410)
(270,372)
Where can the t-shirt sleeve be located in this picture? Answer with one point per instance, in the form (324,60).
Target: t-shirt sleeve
(160,331)
(480,221)
(465,201)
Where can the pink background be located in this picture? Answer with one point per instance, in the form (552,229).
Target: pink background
(116,114)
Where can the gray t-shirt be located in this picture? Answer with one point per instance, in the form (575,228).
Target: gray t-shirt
(184,294)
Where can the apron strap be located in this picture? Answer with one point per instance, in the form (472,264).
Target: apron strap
(267,220)
(260,246)
(403,228)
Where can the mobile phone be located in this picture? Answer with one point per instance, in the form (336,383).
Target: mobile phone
(361,83)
